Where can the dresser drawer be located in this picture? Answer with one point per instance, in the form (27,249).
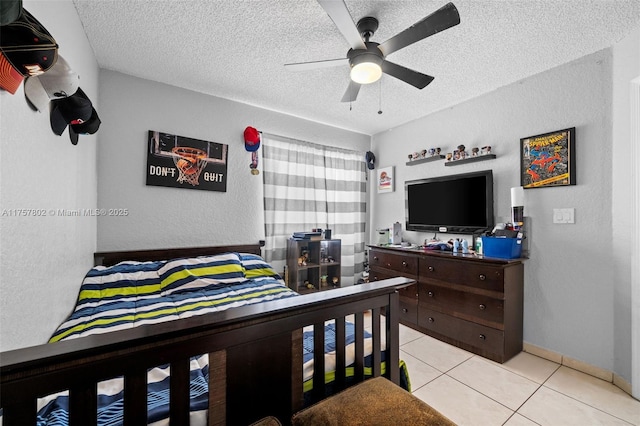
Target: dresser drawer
(376,274)
(485,339)
(406,265)
(408,311)
(409,293)
(469,306)
(464,273)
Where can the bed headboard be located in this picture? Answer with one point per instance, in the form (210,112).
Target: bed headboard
(110,258)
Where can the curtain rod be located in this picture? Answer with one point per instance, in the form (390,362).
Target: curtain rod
(311,144)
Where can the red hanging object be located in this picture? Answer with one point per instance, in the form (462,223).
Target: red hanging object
(252,138)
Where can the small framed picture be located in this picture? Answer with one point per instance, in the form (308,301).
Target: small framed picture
(385,179)
(548,159)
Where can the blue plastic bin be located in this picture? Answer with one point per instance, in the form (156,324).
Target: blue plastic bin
(502,247)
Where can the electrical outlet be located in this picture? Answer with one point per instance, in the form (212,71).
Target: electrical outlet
(564,215)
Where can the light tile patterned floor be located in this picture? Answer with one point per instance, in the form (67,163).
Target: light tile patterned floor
(524,391)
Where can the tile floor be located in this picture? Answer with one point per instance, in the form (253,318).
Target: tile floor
(526,390)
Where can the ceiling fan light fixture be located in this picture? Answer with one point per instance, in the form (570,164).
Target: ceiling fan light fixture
(366,69)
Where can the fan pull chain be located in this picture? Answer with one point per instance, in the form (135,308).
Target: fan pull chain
(380,98)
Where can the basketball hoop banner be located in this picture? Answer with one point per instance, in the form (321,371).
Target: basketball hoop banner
(181,162)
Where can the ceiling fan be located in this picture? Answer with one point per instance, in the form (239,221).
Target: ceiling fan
(367,59)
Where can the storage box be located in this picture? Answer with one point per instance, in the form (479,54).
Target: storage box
(502,247)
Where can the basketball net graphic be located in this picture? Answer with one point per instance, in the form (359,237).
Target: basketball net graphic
(190,162)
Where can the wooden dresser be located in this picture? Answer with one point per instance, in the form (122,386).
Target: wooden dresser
(469,301)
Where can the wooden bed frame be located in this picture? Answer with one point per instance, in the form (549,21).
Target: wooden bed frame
(240,343)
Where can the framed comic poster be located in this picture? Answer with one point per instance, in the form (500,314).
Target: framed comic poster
(385,179)
(182,162)
(548,159)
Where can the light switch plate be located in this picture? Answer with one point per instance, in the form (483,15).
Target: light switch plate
(566,215)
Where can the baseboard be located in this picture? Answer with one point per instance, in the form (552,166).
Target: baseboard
(581,366)
(622,384)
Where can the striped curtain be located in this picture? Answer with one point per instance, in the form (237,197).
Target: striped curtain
(310,186)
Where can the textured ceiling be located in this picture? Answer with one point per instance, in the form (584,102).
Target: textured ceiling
(236,49)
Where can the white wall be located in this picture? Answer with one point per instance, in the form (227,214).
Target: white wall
(45,258)
(162,217)
(626,55)
(569,285)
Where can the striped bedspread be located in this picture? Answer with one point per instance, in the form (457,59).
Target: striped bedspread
(131,294)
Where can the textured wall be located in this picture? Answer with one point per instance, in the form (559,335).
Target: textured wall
(176,217)
(568,278)
(626,68)
(45,258)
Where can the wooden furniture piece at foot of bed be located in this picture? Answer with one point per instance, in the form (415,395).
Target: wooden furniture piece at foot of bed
(255,355)
(469,301)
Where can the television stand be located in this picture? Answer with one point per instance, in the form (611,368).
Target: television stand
(467,300)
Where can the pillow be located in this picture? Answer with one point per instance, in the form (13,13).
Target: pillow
(140,279)
(254,267)
(199,273)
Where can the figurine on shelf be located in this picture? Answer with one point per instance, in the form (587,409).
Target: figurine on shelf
(323,280)
(456,154)
(308,285)
(416,155)
(423,153)
(474,151)
(335,280)
(486,150)
(410,157)
(438,150)
(304,258)
(432,152)
(449,156)
(462,154)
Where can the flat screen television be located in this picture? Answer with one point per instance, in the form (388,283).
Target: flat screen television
(457,204)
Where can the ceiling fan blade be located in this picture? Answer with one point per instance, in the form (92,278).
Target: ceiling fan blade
(407,75)
(306,66)
(445,17)
(339,14)
(352,92)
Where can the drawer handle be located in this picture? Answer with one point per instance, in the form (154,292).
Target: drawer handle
(430,293)
(431,319)
(482,307)
(388,265)
(430,268)
(375,278)
(375,258)
(404,263)
(405,310)
(482,337)
(483,277)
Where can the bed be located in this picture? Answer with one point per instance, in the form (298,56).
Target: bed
(207,335)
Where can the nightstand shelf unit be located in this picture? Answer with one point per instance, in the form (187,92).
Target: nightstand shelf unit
(313,265)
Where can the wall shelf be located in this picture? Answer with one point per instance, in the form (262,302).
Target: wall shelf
(425,160)
(470,159)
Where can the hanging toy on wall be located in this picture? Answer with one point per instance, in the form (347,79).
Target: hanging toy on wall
(370,158)
(252,139)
